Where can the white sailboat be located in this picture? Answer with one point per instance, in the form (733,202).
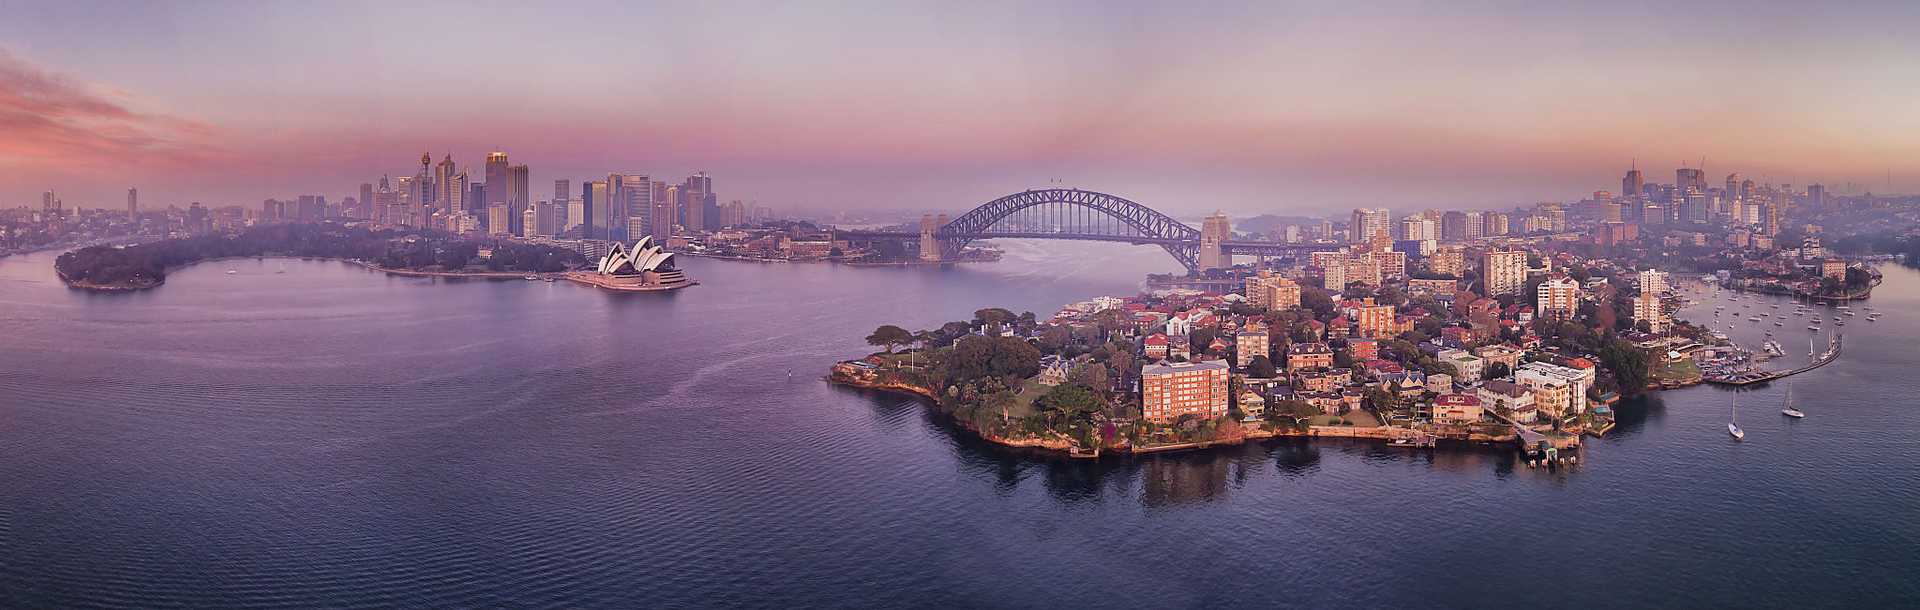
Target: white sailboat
(1733,425)
(1787,404)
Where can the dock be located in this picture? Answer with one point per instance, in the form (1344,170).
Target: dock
(1753,377)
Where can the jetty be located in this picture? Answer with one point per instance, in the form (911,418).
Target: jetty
(1753,377)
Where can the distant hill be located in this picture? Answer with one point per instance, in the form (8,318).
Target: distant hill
(1268,222)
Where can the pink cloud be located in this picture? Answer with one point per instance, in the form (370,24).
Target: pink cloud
(54,121)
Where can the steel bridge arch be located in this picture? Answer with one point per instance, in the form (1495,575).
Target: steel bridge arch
(1178,239)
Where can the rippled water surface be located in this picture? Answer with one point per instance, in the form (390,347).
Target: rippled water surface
(334,437)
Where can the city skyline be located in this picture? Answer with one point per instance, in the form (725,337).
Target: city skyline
(1301,109)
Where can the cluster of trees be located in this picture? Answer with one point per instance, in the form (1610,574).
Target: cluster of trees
(148,263)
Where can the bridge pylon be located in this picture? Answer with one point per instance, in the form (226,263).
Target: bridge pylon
(1214,232)
(931,249)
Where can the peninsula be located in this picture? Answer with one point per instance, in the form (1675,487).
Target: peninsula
(401,251)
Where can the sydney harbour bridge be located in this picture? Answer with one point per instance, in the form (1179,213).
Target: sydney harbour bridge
(1087,216)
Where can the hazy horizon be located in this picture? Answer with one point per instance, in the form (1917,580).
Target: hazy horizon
(1263,109)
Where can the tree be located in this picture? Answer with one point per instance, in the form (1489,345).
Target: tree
(1261,367)
(992,316)
(889,336)
(1497,370)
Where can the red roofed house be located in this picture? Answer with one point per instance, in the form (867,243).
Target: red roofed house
(1457,409)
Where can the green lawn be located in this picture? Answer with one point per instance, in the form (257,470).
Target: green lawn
(1681,370)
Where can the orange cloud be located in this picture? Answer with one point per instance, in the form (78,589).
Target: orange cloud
(52,120)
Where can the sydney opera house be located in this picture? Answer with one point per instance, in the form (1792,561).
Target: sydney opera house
(644,267)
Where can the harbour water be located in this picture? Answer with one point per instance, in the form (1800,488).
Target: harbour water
(335,437)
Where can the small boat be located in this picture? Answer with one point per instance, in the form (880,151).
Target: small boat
(1787,406)
(533,278)
(232,272)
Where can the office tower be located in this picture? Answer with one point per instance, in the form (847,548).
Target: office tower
(454,197)
(562,191)
(477,203)
(697,195)
(661,218)
(1453,226)
(448,197)
(367,209)
(530,220)
(49,202)
(518,197)
(1632,185)
(497,222)
(1689,178)
(1816,196)
(496,172)
(633,195)
(601,211)
(1497,224)
(576,215)
(1734,192)
(133,203)
(385,203)
(1367,222)
(1503,272)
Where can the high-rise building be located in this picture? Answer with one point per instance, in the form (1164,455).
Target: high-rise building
(1366,222)
(576,215)
(1453,226)
(1169,391)
(453,193)
(497,222)
(1653,281)
(1686,178)
(448,197)
(1817,196)
(562,190)
(1503,271)
(694,192)
(1447,261)
(596,196)
(660,219)
(133,203)
(367,205)
(49,202)
(1632,184)
(636,197)
(1374,320)
(530,220)
(1558,297)
(519,196)
(1734,192)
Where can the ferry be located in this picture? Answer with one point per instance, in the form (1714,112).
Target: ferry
(1754,319)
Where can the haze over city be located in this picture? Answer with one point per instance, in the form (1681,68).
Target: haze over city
(1249,109)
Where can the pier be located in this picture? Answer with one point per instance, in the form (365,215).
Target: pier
(1753,377)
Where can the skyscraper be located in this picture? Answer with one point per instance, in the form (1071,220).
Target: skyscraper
(665,212)
(697,193)
(1632,184)
(133,203)
(497,189)
(636,198)
(599,210)
(448,197)
(1367,222)
(1503,272)
(518,196)
(367,209)
(455,204)
(562,190)
(1734,192)
(1689,178)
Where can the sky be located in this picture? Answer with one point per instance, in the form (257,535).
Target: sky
(1264,107)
